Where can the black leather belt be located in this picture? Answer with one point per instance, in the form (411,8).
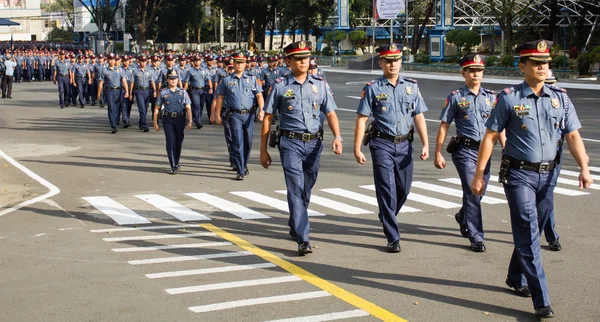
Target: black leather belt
(113,88)
(79,76)
(240,111)
(531,166)
(304,137)
(63,74)
(468,142)
(173,114)
(395,139)
(142,88)
(193,87)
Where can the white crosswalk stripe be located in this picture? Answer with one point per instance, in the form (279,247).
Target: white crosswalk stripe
(172,208)
(362,198)
(453,192)
(212,270)
(165,247)
(576,174)
(228,206)
(258,300)
(326,317)
(558,190)
(325,202)
(269,201)
(424,199)
(116,211)
(227,285)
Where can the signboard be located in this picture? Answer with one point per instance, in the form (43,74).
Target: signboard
(388,9)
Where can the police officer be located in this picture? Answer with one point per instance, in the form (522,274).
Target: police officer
(81,75)
(299,97)
(176,102)
(468,107)
(212,70)
(534,116)
(236,94)
(115,82)
(394,102)
(126,101)
(196,82)
(62,75)
(97,75)
(144,90)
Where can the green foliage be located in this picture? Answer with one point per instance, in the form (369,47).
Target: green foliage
(336,35)
(507,61)
(60,35)
(357,35)
(327,51)
(350,53)
(463,39)
(422,58)
(491,61)
(557,62)
(452,60)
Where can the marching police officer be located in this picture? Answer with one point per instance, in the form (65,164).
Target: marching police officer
(126,103)
(534,116)
(394,102)
(144,90)
(196,81)
(113,78)
(62,75)
(97,74)
(236,94)
(81,75)
(468,107)
(299,98)
(176,102)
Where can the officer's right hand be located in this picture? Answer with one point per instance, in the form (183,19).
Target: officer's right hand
(54,81)
(477,185)
(212,118)
(265,159)
(585,179)
(218,120)
(439,161)
(360,157)
(156,128)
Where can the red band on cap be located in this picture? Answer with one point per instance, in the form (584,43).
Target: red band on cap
(471,63)
(534,52)
(389,53)
(297,50)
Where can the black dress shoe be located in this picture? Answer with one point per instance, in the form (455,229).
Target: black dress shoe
(234,168)
(146,129)
(82,106)
(304,249)
(464,231)
(393,247)
(522,291)
(544,312)
(293,234)
(174,170)
(114,130)
(199,126)
(118,123)
(62,107)
(554,245)
(126,125)
(239,177)
(246,171)
(478,247)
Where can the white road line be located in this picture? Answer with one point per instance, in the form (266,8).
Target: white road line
(53,189)
(165,236)
(150,248)
(272,202)
(187,258)
(453,192)
(558,190)
(591,140)
(489,188)
(222,286)
(351,210)
(116,211)
(111,230)
(222,269)
(596,169)
(259,300)
(228,206)
(575,183)
(424,199)
(326,317)
(362,198)
(576,174)
(173,208)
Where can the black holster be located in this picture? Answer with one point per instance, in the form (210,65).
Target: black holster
(504,166)
(453,145)
(274,137)
(411,137)
(227,115)
(368,134)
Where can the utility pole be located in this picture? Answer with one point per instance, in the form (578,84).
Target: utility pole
(221,37)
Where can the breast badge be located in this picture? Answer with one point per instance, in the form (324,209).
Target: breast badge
(555,103)
(408,90)
(315,89)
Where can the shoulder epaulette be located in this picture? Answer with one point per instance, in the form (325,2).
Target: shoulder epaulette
(508,90)
(277,80)
(557,89)
(410,80)
(371,82)
(249,74)
(316,77)
(489,91)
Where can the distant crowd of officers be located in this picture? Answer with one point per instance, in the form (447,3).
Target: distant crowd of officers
(530,120)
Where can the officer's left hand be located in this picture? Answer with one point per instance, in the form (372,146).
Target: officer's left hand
(477,185)
(261,115)
(425,153)
(585,179)
(126,95)
(189,126)
(336,145)
(90,82)
(265,159)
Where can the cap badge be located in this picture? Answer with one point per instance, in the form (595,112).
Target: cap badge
(477,59)
(302,44)
(542,46)
(393,47)
(466,117)
(241,55)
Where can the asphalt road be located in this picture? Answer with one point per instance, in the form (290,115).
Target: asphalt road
(59,263)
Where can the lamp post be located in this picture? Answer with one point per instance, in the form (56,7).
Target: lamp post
(564,12)
(135,28)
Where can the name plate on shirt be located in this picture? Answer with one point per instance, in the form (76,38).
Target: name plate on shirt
(522,110)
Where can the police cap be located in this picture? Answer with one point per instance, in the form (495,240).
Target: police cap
(474,61)
(389,52)
(172,74)
(299,49)
(141,58)
(111,56)
(239,57)
(550,79)
(536,50)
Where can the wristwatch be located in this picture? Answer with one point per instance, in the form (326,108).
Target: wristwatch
(338,138)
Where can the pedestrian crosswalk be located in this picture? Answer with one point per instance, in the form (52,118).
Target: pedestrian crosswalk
(443,194)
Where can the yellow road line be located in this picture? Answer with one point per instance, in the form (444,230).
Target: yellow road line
(333,289)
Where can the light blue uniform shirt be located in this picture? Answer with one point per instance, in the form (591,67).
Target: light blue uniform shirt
(197,77)
(174,102)
(469,111)
(239,92)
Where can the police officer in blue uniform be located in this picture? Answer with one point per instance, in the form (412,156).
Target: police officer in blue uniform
(97,75)
(299,98)
(394,102)
(62,76)
(127,101)
(114,80)
(468,107)
(196,82)
(236,94)
(534,116)
(81,75)
(176,102)
(144,90)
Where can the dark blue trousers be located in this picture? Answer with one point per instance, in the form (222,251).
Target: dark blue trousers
(197,98)
(142,98)
(550,227)
(227,132)
(63,90)
(81,85)
(393,172)
(29,73)
(174,128)
(208,99)
(73,93)
(113,101)
(18,73)
(530,198)
(465,160)
(242,132)
(300,162)
(125,107)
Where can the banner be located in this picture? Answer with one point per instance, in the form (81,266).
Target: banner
(388,9)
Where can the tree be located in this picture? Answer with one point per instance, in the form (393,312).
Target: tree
(357,36)
(178,18)
(250,11)
(359,9)
(66,7)
(421,11)
(464,39)
(102,11)
(505,12)
(144,12)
